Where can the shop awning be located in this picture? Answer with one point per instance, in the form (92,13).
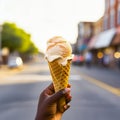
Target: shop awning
(116,40)
(104,39)
(92,42)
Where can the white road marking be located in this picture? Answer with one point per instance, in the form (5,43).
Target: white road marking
(75,77)
(25,79)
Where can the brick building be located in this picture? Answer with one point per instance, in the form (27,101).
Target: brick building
(102,37)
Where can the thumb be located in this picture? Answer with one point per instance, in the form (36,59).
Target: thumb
(56,96)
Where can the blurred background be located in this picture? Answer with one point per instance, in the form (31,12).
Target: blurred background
(92,28)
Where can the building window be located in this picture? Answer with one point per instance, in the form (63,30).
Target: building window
(112,18)
(105,22)
(81,29)
(118,15)
(112,2)
(106,5)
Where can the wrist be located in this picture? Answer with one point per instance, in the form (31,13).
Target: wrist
(39,117)
(47,118)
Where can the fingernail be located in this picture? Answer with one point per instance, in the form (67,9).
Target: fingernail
(66,90)
(65,107)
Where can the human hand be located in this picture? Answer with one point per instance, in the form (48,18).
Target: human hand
(48,102)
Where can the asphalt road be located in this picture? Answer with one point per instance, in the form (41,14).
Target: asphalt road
(94,98)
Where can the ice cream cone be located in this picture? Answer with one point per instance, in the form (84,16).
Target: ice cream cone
(59,56)
(60,75)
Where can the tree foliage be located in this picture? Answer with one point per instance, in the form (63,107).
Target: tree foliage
(32,49)
(16,39)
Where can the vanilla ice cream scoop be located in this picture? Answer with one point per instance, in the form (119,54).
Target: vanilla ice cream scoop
(58,47)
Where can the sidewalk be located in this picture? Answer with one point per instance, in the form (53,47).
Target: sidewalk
(8,76)
(6,72)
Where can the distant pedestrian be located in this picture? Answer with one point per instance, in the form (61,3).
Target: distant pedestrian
(88,59)
(118,61)
(0,62)
(106,60)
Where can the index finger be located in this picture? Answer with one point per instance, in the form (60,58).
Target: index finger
(50,89)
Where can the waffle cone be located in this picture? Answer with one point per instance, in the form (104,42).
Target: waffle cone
(60,75)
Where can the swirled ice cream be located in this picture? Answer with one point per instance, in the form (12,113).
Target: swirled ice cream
(58,48)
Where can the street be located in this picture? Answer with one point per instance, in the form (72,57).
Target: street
(95,93)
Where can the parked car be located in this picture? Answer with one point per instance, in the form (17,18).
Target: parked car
(15,62)
(78,60)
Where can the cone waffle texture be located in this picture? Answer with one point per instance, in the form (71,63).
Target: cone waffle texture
(60,74)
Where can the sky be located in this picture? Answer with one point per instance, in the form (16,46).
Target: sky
(44,19)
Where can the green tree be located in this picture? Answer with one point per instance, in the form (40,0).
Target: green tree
(32,49)
(16,39)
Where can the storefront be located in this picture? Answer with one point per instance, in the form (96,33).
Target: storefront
(102,49)
(116,45)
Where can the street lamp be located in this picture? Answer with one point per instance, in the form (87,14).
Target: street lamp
(0,44)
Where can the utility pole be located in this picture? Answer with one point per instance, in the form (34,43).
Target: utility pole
(0,44)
